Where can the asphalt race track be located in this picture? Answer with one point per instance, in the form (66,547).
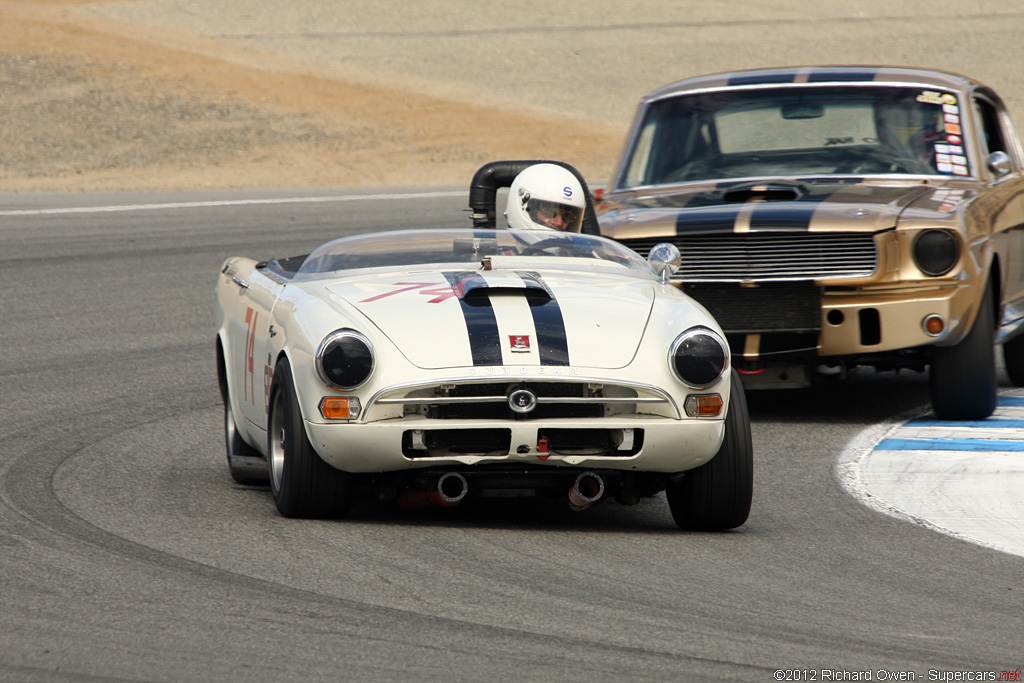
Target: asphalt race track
(128,553)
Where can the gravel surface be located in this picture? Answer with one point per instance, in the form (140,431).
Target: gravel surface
(178,94)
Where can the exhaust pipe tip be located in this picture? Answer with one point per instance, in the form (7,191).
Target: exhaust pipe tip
(586,491)
(452,488)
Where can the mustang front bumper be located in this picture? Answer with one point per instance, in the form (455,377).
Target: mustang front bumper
(866,323)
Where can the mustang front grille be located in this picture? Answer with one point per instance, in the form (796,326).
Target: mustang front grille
(767,257)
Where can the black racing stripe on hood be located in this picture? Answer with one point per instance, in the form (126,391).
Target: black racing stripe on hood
(823,75)
(552,341)
(763,78)
(791,216)
(481,325)
(710,220)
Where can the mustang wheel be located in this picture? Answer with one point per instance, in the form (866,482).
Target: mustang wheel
(962,378)
(302,484)
(716,496)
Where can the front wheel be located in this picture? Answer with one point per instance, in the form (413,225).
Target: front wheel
(716,496)
(962,378)
(303,485)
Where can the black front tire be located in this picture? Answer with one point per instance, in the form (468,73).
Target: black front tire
(302,484)
(1013,356)
(716,496)
(962,378)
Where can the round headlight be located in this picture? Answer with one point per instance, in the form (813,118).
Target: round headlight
(345,359)
(699,357)
(936,252)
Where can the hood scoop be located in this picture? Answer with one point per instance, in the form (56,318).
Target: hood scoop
(471,286)
(762,193)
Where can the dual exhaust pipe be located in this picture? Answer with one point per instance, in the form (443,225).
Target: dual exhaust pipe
(450,490)
(586,492)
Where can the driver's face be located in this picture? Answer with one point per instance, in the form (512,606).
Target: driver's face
(559,218)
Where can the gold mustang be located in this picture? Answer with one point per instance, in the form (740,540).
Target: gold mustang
(834,217)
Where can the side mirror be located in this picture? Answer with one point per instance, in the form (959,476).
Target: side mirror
(1000,163)
(664,259)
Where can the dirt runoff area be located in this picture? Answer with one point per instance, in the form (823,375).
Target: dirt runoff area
(86,105)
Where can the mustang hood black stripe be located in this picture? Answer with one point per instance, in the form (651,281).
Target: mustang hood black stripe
(787,216)
(710,219)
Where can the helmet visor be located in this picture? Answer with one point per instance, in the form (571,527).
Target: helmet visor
(553,214)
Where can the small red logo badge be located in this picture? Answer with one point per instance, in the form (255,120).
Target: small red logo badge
(520,343)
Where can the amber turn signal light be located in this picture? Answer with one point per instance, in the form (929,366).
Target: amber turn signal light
(704,405)
(933,325)
(339,408)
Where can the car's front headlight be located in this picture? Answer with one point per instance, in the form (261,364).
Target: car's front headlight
(936,252)
(344,359)
(699,357)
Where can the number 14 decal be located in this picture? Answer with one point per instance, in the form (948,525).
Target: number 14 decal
(440,293)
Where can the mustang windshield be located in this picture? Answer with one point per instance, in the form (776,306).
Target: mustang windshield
(467,248)
(810,130)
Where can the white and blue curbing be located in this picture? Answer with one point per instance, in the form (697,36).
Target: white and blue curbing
(964,479)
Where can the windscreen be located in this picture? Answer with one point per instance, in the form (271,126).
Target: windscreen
(802,131)
(467,248)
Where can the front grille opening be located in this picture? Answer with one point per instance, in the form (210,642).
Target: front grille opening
(768,308)
(573,389)
(440,443)
(606,442)
(501,411)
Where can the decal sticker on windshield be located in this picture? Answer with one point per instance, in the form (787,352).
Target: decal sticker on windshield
(949,152)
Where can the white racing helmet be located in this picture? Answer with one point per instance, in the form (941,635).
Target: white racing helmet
(545,196)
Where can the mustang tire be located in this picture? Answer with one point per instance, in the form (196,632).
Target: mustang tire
(1013,355)
(716,496)
(302,484)
(962,378)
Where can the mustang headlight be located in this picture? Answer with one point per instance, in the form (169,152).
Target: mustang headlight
(936,252)
(344,359)
(699,357)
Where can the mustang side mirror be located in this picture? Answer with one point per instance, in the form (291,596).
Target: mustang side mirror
(1000,163)
(664,259)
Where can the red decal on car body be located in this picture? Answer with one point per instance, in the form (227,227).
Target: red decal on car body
(440,293)
(250,348)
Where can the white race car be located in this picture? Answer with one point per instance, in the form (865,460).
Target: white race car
(431,365)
